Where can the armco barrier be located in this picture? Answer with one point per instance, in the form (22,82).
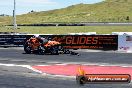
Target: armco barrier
(103,42)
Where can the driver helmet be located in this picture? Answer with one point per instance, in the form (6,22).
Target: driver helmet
(36,35)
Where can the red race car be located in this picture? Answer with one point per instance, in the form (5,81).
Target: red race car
(41,46)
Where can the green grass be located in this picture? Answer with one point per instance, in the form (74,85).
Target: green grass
(106,11)
(69,29)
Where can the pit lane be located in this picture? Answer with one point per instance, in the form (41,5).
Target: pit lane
(23,78)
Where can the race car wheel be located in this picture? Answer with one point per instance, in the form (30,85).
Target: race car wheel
(41,50)
(27,49)
(54,51)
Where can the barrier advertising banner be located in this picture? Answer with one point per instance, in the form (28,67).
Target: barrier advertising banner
(103,42)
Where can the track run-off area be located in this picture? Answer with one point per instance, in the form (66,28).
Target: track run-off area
(20,70)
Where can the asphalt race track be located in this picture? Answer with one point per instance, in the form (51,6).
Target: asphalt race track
(17,56)
(16,76)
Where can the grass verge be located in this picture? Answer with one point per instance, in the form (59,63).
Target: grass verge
(68,29)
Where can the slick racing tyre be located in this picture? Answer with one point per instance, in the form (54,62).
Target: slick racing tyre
(41,50)
(55,51)
(27,49)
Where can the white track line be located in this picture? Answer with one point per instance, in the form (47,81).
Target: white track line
(95,64)
(25,66)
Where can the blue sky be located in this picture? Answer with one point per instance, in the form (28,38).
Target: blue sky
(24,6)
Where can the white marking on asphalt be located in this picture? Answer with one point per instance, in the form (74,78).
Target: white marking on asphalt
(35,70)
(42,65)
(93,64)
(63,76)
(25,66)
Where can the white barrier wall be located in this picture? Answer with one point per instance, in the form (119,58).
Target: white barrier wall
(121,33)
(125,43)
